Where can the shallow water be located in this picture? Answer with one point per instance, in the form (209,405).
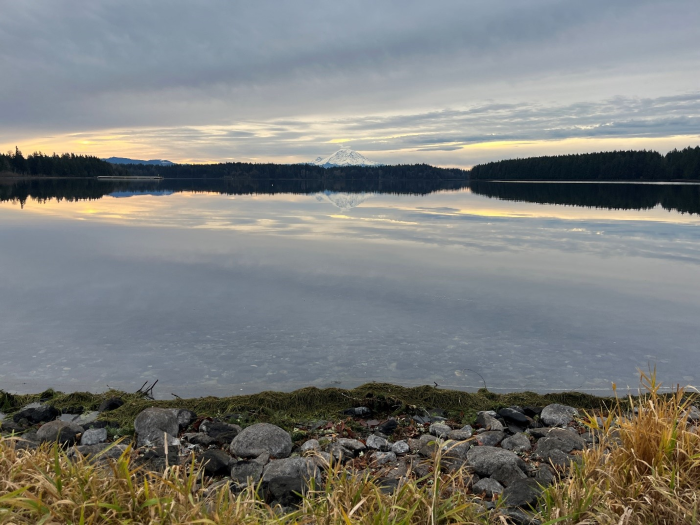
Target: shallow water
(221,294)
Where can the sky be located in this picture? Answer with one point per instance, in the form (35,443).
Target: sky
(449,83)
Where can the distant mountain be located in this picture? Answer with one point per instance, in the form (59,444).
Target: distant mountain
(122,160)
(344,157)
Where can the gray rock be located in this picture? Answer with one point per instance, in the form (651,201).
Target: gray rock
(216,462)
(311,445)
(285,491)
(555,457)
(153,425)
(86,418)
(503,465)
(110,404)
(358,411)
(93,436)
(2,416)
(340,453)
(382,458)
(512,416)
(60,431)
(571,440)
(517,443)
(378,443)
(456,450)
(439,429)
(400,447)
(544,475)
(462,434)
(259,438)
(519,517)
(353,445)
(692,414)
(36,413)
(222,432)
(245,472)
(488,487)
(548,444)
(522,493)
(199,438)
(490,438)
(556,415)
(99,452)
(487,420)
(184,417)
(297,467)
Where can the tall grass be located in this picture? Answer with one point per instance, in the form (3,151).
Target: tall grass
(646,470)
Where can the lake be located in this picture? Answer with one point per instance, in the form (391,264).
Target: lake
(222,288)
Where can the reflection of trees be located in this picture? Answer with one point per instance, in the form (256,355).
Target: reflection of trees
(682,198)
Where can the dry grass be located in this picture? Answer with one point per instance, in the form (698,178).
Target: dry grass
(645,471)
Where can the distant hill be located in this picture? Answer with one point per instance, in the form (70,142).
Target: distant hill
(123,160)
(344,157)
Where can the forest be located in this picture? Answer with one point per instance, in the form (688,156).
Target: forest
(683,165)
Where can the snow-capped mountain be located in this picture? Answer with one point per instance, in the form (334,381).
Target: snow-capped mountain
(344,157)
(342,200)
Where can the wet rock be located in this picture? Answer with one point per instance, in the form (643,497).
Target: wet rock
(382,458)
(59,431)
(487,420)
(388,427)
(110,404)
(245,472)
(557,415)
(502,465)
(462,434)
(93,436)
(487,487)
(154,425)
(490,438)
(312,445)
(439,429)
(222,433)
(400,447)
(522,493)
(259,438)
(517,443)
(216,462)
(36,413)
(378,443)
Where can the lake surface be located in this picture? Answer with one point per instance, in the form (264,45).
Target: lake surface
(214,288)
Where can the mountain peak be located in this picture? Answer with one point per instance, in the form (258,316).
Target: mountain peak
(344,157)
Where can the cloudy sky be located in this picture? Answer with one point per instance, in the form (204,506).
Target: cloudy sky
(451,83)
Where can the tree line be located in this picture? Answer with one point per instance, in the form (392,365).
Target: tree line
(66,165)
(608,166)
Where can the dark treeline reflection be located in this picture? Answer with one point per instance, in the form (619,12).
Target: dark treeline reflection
(20,190)
(684,198)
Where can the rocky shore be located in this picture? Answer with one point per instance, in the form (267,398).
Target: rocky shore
(505,457)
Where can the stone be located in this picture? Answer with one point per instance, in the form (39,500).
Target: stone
(340,453)
(490,438)
(557,415)
(184,417)
(400,447)
(569,436)
(298,467)
(353,445)
(59,431)
(548,444)
(503,465)
(544,475)
(2,416)
(98,452)
(439,429)
(309,446)
(522,493)
(199,438)
(222,432)
(110,404)
(357,411)
(388,427)
(285,490)
(487,419)
(519,517)
(462,434)
(487,487)
(692,414)
(36,413)
(555,457)
(388,485)
(513,416)
(86,418)
(517,443)
(216,462)
(93,436)
(153,425)
(377,443)
(456,450)
(259,438)
(8,427)
(246,471)
(382,458)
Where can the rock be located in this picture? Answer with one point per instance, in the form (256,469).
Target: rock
(573,440)
(60,431)
(422,420)
(352,445)
(285,490)
(532,411)
(2,416)
(487,419)
(490,438)
(378,443)
(387,428)
(216,462)
(544,475)
(357,411)
(222,432)
(519,517)
(400,447)
(110,404)
(513,416)
(87,418)
(555,457)
(502,465)
(556,415)
(152,425)
(184,417)
(8,427)
(522,493)
(245,472)
(259,438)
(199,438)
(488,487)
(382,458)
(297,467)
(311,445)
(340,453)
(99,452)
(517,443)
(263,458)
(93,436)
(456,450)
(36,413)
(388,485)
(547,444)
(462,434)
(439,429)
(692,414)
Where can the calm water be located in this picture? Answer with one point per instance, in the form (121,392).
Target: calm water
(214,292)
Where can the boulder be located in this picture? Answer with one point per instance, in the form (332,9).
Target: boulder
(184,417)
(353,445)
(556,415)
(378,443)
(439,429)
(382,458)
(512,415)
(488,487)
(462,434)
(110,404)
(517,443)
(387,428)
(522,493)
(99,452)
(296,474)
(259,438)
(59,431)
(285,490)
(36,413)
(93,436)
(487,420)
(199,438)
(309,446)
(86,418)
(246,471)
(216,462)
(502,465)
(154,425)
(400,447)
(490,438)
(221,432)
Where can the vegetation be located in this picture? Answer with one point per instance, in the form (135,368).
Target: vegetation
(615,165)
(66,165)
